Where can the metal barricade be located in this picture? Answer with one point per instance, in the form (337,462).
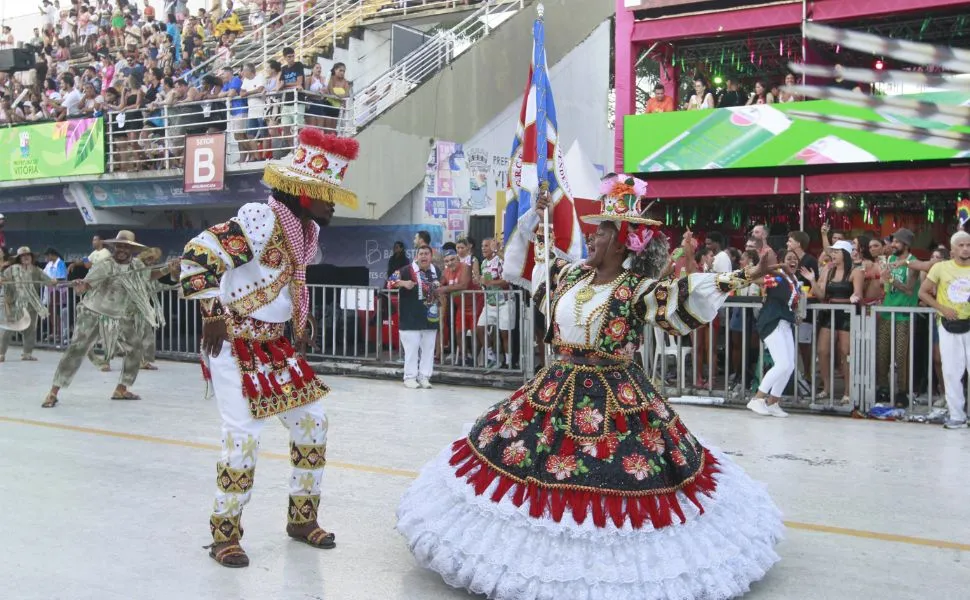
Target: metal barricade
(734,358)
(478,332)
(896,365)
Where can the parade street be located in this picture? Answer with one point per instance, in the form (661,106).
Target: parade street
(109,499)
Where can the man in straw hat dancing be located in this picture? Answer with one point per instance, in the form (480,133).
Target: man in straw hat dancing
(20,283)
(115,308)
(249,275)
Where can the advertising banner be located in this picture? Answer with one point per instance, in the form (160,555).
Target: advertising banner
(769,135)
(72,147)
(205,162)
(371,245)
(238,189)
(33,199)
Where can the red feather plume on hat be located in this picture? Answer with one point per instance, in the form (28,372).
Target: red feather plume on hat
(345,147)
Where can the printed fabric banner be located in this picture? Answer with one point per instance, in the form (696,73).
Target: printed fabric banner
(773,135)
(73,147)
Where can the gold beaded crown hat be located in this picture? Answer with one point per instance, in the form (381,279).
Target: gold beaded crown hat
(621,199)
(317,168)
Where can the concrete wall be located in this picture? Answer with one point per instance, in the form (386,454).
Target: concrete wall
(462,100)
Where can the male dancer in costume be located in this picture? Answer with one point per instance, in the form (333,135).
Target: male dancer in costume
(20,282)
(115,309)
(249,275)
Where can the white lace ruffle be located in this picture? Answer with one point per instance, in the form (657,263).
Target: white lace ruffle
(497,549)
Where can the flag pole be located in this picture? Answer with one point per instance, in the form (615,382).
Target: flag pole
(544,184)
(543,189)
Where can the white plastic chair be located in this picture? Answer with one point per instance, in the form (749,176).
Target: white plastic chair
(664,346)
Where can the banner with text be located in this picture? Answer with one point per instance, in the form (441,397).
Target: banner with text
(72,147)
(205,162)
(371,245)
(773,135)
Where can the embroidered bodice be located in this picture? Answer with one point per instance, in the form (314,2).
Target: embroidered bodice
(245,265)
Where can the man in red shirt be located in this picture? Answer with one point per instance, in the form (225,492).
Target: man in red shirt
(660,102)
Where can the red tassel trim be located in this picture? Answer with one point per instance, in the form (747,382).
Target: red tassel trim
(206,374)
(568,447)
(242,351)
(657,510)
(528,412)
(274,382)
(547,422)
(296,379)
(249,388)
(621,424)
(286,347)
(278,357)
(306,369)
(264,384)
(602,449)
(261,355)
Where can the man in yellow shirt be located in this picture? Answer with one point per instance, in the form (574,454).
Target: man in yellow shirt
(947,289)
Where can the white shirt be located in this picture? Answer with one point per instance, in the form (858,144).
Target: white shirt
(256,103)
(722,262)
(575,333)
(99,255)
(72,102)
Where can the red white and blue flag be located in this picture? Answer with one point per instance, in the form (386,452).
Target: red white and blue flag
(537,158)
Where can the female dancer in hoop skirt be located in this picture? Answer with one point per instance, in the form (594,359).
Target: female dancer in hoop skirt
(585,484)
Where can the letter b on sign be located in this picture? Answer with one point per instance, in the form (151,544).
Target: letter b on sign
(205,166)
(205,158)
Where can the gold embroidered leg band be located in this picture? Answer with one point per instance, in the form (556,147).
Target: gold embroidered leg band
(308,456)
(234,481)
(225,529)
(302,509)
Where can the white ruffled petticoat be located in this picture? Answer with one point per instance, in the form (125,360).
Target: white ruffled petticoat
(497,549)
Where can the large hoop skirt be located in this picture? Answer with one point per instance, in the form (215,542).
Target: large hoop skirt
(595,493)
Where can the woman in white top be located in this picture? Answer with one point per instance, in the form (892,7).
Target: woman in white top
(784,96)
(314,95)
(702,98)
(588,459)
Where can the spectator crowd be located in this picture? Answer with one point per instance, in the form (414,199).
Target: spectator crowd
(848,273)
(156,78)
(733,93)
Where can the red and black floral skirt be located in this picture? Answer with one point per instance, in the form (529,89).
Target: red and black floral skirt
(596,440)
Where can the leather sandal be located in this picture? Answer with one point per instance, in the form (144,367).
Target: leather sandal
(228,554)
(50,401)
(317,537)
(125,395)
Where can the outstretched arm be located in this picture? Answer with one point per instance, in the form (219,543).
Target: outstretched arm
(205,260)
(681,305)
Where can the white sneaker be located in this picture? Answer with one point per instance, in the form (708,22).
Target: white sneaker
(411,384)
(424,383)
(758,406)
(775,410)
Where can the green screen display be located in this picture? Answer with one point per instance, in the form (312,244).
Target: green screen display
(769,136)
(73,147)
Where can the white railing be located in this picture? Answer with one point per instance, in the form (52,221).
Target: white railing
(157,141)
(300,26)
(412,7)
(432,56)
